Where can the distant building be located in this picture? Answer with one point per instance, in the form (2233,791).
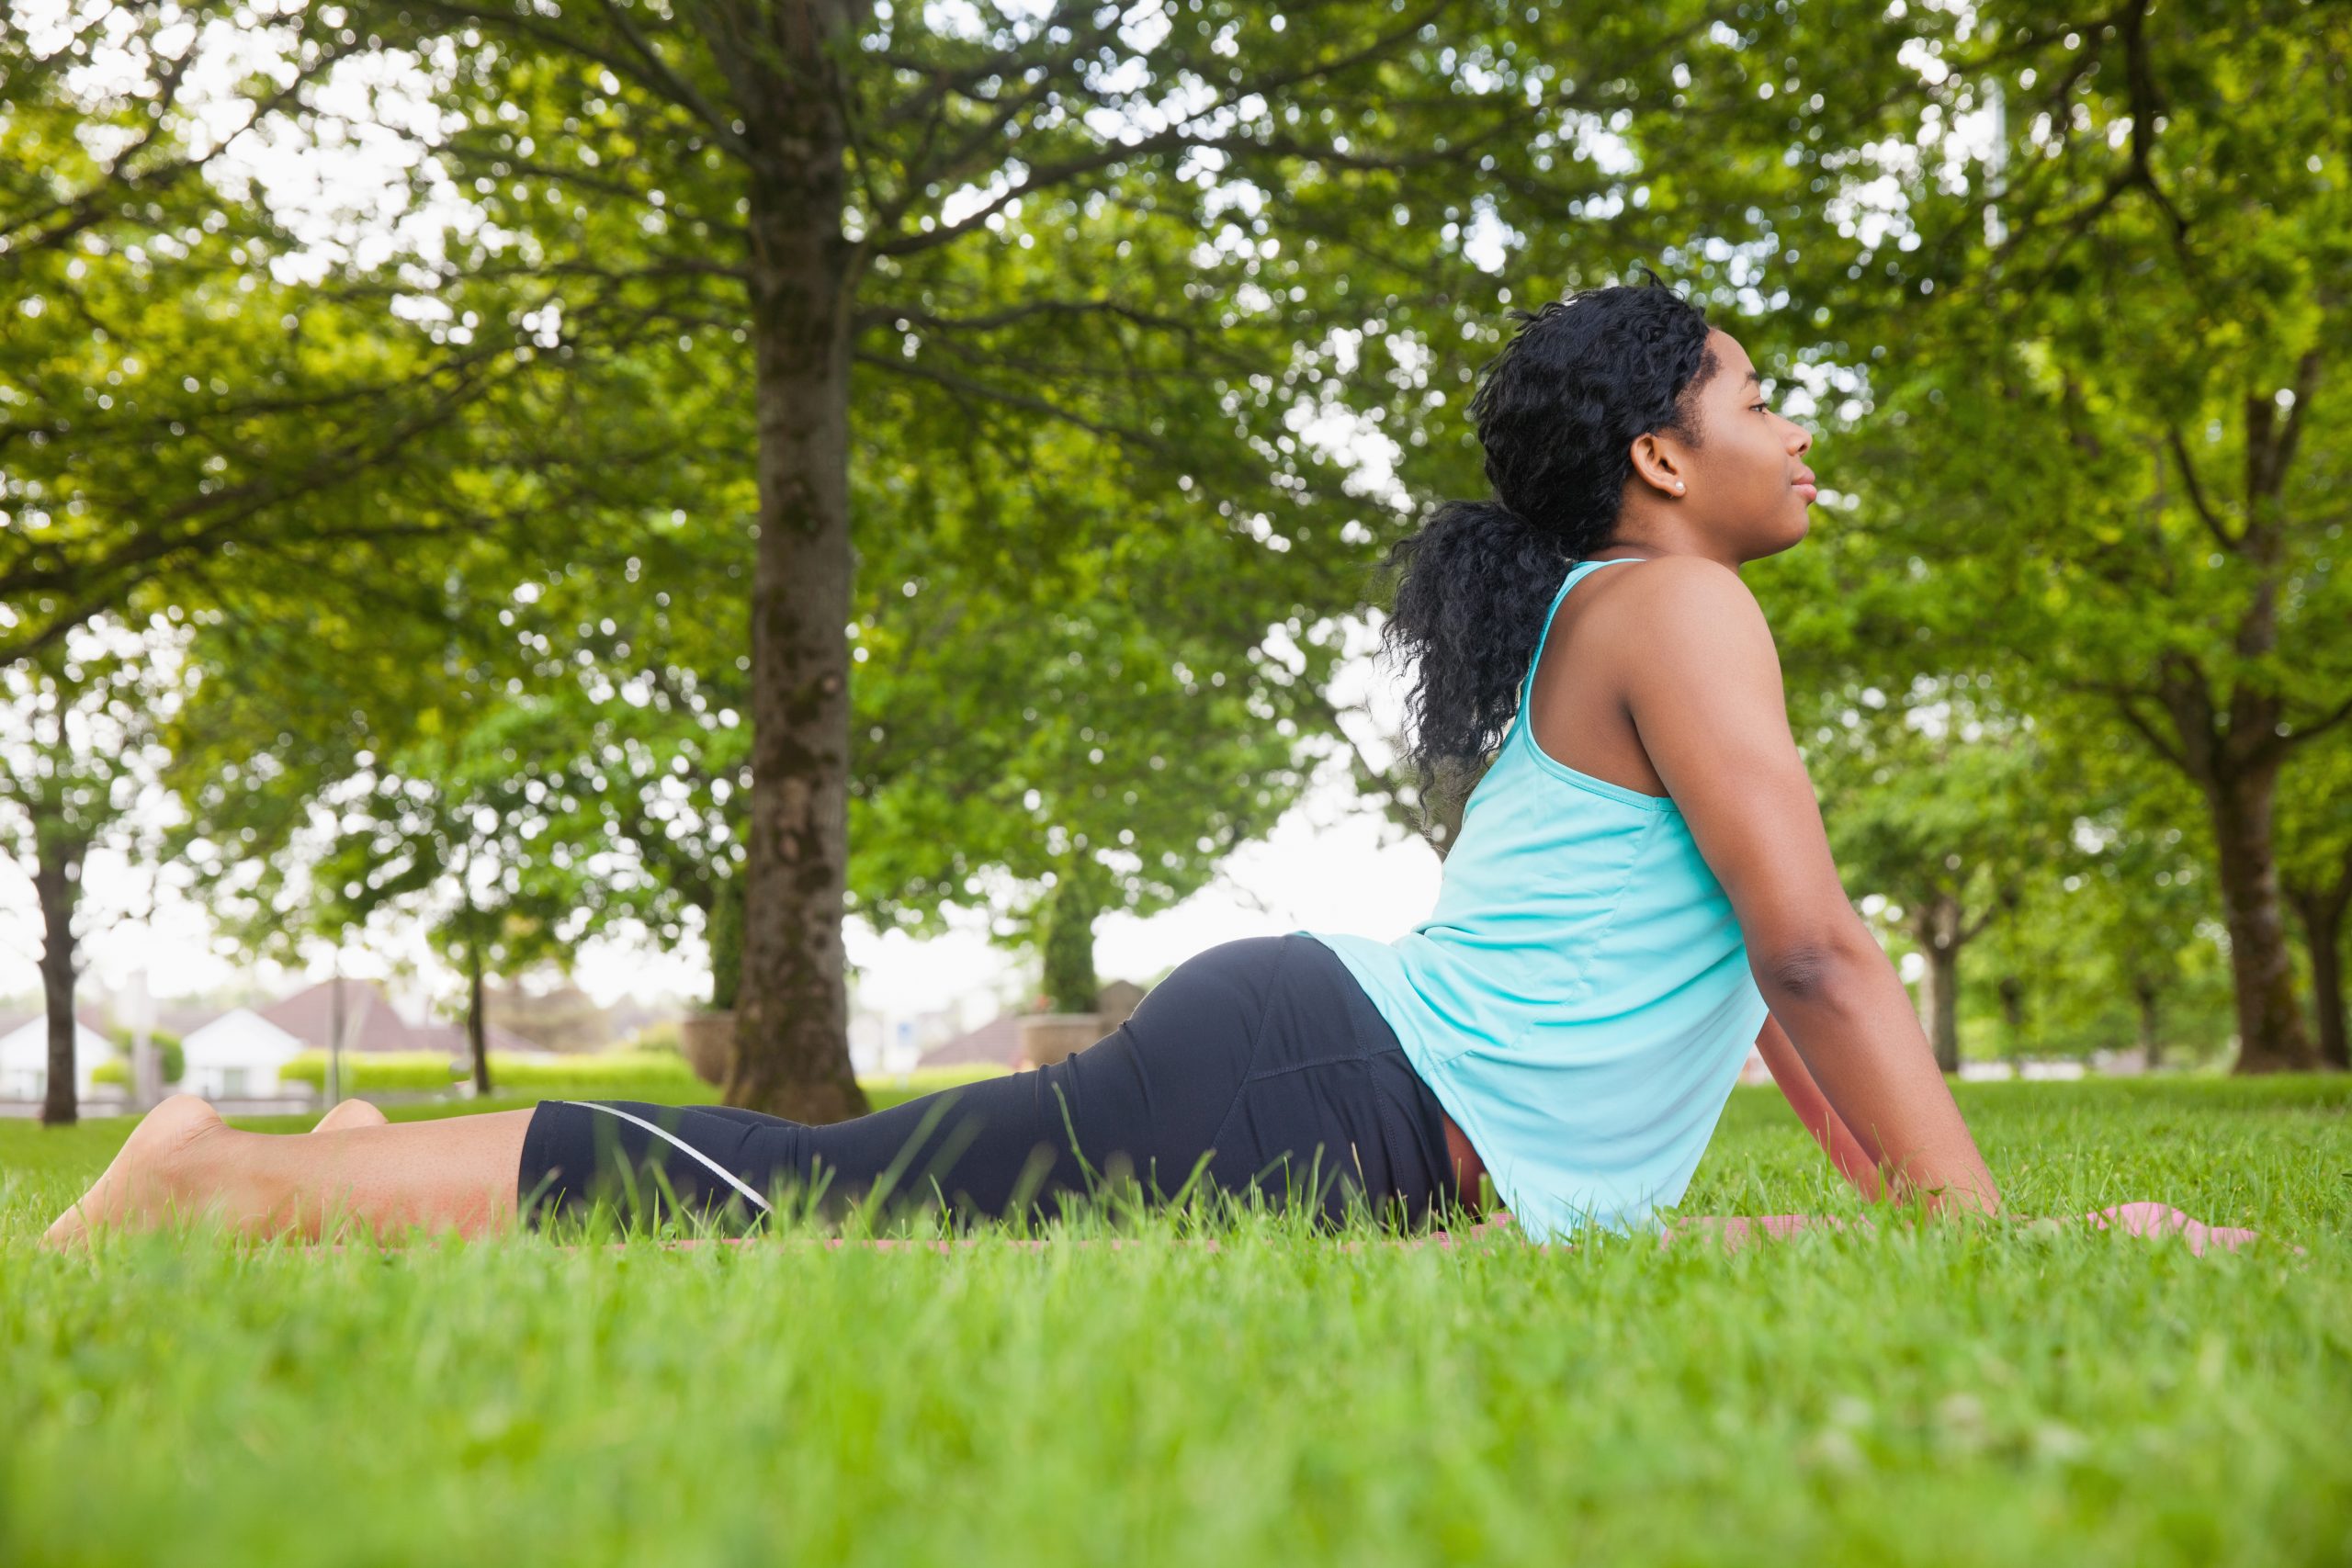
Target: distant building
(998,1041)
(370,1022)
(450,1040)
(24,1058)
(564,1019)
(237,1057)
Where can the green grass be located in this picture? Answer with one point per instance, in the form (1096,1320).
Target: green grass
(1941,1395)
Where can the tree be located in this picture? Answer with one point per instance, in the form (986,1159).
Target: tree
(2315,858)
(182,423)
(1105,727)
(2107,422)
(352,764)
(1930,801)
(79,745)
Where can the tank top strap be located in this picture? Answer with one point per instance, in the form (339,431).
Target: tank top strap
(1576,574)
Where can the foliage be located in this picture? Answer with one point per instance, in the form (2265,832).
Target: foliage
(198,413)
(171,1060)
(612,1075)
(2100,322)
(1117,285)
(82,738)
(662,1037)
(1079,266)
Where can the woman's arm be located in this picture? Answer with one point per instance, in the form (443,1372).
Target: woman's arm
(1812,1109)
(1703,690)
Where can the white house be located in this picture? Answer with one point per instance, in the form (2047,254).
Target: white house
(237,1057)
(24,1059)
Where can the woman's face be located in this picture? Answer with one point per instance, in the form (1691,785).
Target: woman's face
(1745,482)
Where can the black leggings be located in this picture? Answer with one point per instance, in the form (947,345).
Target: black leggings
(1263,1055)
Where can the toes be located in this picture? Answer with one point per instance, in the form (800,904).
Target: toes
(134,1182)
(65,1230)
(349,1114)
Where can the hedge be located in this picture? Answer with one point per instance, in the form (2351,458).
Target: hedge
(609,1074)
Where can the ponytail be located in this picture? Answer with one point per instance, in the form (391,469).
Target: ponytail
(1472,589)
(1557,411)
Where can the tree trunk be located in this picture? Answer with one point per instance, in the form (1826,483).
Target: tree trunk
(2143,992)
(2012,990)
(2321,911)
(792,1010)
(1937,928)
(57,883)
(476,1034)
(2271,1037)
(1071,980)
(725,925)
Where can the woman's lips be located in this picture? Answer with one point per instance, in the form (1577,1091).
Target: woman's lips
(1805,490)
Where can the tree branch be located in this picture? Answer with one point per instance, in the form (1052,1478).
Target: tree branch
(2205,513)
(2126,703)
(963,387)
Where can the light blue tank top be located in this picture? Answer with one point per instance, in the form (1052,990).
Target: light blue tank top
(1580,1002)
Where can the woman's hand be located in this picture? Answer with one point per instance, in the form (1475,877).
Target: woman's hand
(2132,1219)
(2161,1219)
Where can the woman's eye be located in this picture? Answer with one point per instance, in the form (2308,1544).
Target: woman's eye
(1758,406)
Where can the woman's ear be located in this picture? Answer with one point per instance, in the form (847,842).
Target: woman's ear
(1657,465)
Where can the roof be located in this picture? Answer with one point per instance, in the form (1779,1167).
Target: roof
(371,1025)
(239,1034)
(451,1039)
(999,1041)
(28,1041)
(90,1017)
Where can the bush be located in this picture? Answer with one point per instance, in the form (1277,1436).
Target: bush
(610,1075)
(117,1070)
(379,1071)
(656,1037)
(644,1073)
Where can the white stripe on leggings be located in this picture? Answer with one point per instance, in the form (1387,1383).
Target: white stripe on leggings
(714,1167)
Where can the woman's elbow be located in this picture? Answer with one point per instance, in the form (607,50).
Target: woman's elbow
(1821,963)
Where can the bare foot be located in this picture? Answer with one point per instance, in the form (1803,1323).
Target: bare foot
(138,1183)
(350,1113)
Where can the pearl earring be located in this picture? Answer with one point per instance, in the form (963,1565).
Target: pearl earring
(1678,487)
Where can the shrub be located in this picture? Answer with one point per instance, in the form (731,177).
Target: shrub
(610,1075)
(653,1074)
(656,1037)
(379,1071)
(119,1069)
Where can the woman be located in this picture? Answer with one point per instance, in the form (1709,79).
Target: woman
(1641,889)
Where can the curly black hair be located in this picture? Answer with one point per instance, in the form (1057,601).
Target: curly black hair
(1557,411)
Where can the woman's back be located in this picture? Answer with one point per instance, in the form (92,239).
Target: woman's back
(1580,1000)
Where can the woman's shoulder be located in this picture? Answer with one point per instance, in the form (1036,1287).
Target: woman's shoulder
(1695,579)
(1685,598)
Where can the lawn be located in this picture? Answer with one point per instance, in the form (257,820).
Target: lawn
(1943,1395)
